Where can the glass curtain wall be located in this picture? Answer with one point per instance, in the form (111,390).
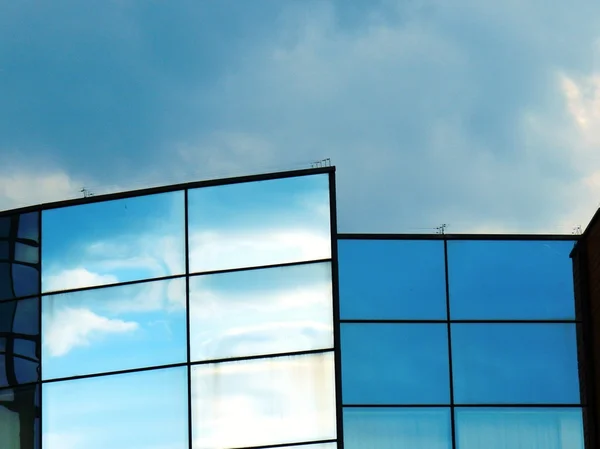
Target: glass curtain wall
(199,318)
(458,344)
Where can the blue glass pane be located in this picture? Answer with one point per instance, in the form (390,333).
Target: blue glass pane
(7,311)
(3,374)
(113,241)
(26,253)
(28,226)
(142,410)
(27,319)
(25,370)
(18,418)
(265,311)
(4,246)
(395,364)
(114,328)
(259,223)
(26,348)
(515,363)
(4,226)
(392,279)
(393,428)
(6,290)
(510,280)
(504,428)
(26,280)
(265,401)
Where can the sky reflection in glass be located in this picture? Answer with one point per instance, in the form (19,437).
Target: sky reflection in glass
(264,401)
(114,328)
(515,363)
(143,410)
(510,280)
(113,241)
(392,279)
(506,428)
(259,223)
(264,311)
(392,428)
(395,364)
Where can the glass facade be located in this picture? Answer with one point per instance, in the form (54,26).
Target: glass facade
(459,343)
(230,314)
(192,317)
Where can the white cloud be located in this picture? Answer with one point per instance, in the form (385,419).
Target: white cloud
(76,278)
(68,328)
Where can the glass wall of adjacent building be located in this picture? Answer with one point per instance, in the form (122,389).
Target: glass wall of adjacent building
(458,343)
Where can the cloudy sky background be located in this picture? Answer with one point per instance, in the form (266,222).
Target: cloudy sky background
(479,114)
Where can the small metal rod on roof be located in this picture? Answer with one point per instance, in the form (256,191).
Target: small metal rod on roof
(86,193)
(577,230)
(321,163)
(441,229)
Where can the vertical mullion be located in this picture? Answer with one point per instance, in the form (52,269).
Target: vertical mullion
(336,313)
(187,315)
(452,418)
(39,299)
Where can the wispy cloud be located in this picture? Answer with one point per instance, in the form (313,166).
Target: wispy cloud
(76,327)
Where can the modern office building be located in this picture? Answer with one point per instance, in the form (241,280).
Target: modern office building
(232,314)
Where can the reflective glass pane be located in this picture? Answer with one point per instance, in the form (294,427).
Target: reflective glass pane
(7,313)
(259,223)
(25,348)
(395,364)
(311,446)
(27,320)
(392,428)
(28,226)
(143,410)
(26,253)
(26,280)
(18,418)
(4,246)
(3,374)
(392,279)
(4,226)
(6,289)
(519,428)
(114,328)
(265,311)
(113,241)
(263,401)
(510,280)
(26,371)
(515,363)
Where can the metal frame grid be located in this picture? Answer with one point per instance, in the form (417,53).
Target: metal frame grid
(335,350)
(451,405)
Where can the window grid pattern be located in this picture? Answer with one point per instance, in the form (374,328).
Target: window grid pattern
(33,436)
(375,417)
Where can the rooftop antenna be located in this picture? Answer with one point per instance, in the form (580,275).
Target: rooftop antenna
(86,193)
(577,230)
(441,229)
(321,163)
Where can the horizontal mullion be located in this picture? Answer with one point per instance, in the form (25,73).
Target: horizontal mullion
(434,236)
(259,267)
(262,356)
(302,443)
(455,405)
(441,321)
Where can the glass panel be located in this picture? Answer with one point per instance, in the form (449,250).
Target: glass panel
(26,280)
(113,241)
(311,446)
(3,376)
(4,246)
(26,371)
(515,363)
(7,311)
(143,410)
(261,312)
(4,226)
(392,428)
(511,280)
(18,418)
(519,428)
(114,328)
(28,226)
(259,223)
(6,290)
(26,253)
(392,279)
(395,364)
(27,320)
(264,401)
(25,348)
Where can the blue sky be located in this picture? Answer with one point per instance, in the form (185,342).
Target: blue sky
(473,113)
